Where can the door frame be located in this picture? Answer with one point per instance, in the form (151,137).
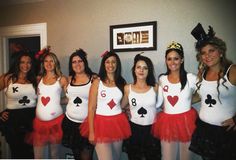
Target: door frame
(27,30)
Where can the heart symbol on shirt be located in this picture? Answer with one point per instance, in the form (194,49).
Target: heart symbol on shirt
(45,100)
(173,100)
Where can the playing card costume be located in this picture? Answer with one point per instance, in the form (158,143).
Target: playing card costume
(212,140)
(49,115)
(76,112)
(142,115)
(175,124)
(110,123)
(21,102)
(177,121)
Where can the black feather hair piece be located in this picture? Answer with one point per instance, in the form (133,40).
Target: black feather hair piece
(200,35)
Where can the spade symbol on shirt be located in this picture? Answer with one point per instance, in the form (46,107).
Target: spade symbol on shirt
(15,89)
(77,101)
(24,100)
(142,111)
(210,101)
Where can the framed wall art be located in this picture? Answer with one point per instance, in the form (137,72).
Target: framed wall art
(133,37)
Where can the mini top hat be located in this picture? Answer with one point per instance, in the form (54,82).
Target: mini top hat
(200,35)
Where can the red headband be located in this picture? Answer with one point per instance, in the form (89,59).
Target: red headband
(103,54)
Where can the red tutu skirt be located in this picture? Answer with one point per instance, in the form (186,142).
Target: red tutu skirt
(46,132)
(108,128)
(175,127)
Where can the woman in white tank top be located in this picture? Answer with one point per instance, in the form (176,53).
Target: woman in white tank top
(215,135)
(77,93)
(108,126)
(16,120)
(140,100)
(49,114)
(176,123)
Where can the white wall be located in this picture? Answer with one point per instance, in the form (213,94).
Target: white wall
(73,24)
(85,24)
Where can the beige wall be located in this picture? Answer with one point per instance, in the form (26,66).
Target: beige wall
(85,24)
(73,24)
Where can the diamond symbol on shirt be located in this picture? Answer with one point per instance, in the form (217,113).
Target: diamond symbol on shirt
(111,104)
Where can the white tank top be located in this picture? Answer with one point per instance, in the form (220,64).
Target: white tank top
(20,96)
(176,100)
(77,107)
(49,96)
(212,111)
(108,100)
(142,106)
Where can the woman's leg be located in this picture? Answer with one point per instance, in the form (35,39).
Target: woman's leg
(76,153)
(86,154)
(169,150)
(117,149)
(38,152)
(184,152)
(54,151)
(21,150)
(134,152)
(104,151)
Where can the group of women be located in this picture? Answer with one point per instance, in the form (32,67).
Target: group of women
(103,111)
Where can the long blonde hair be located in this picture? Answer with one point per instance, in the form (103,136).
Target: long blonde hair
(220,45)
(57,68)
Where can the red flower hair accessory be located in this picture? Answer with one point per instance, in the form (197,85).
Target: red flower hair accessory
(103,54)
(42,51)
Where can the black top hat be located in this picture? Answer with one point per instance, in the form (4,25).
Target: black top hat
(200,35)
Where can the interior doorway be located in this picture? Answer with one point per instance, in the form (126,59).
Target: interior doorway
(31,44)
(31,36)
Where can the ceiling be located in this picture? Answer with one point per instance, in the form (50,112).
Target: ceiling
(15,2)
